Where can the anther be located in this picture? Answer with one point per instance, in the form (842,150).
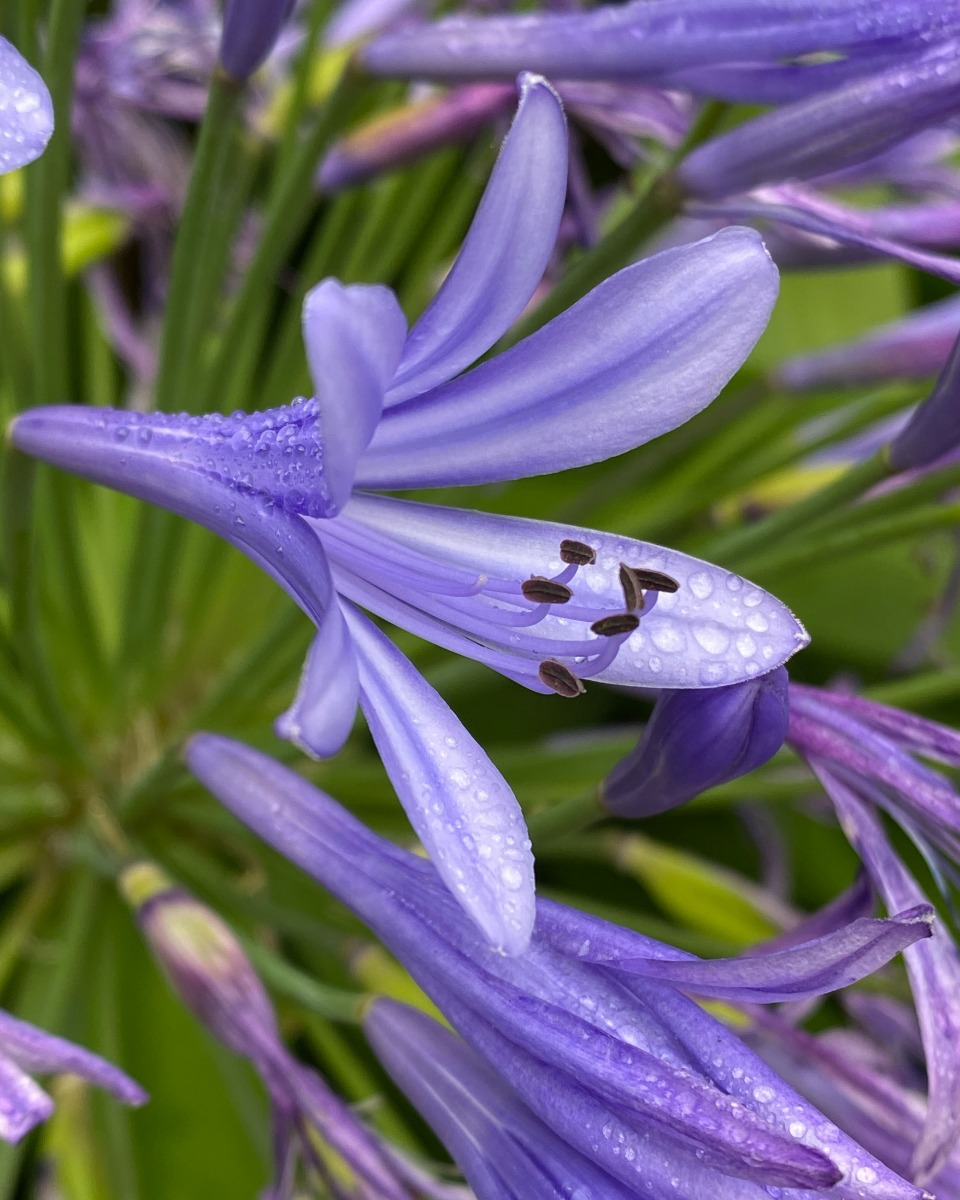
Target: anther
(636,580)
(545,591)
(616,624)
(577,553)
(560,678)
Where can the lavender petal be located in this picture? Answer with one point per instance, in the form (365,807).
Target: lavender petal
(26,111)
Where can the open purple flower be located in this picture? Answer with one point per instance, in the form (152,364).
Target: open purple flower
(863,754)
(26,1050)
(590,1027)
(26,111)
(210,972)
(548,605)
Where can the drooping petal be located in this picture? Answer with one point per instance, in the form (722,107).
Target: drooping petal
(459,804)
(504,254)
(26,111)
(244,496)
(696,740)
(33,1049)
(933,968)
(715,629)
(354,337)
(501,1147)
(638,356)
(23,1103)
(322,714)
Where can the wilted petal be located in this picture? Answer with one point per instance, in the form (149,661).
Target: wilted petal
(696,740)
(23,1103)
(504,254)
(322,714)
(638,356)
(501,1147)
(242,497)
(715,629)
(34,1050)
(459,804)
(354,337)
(26,110)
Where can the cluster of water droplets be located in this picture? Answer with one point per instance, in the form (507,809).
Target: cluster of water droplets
(26,113)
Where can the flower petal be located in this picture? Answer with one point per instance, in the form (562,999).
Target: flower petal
(459,804)
(23,1103)
(26,110)
(354,337)
(505,252)
(715,629)
(636,357)
(322,714)
(33,1049)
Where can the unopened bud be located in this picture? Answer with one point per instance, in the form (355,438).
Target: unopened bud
(250,31)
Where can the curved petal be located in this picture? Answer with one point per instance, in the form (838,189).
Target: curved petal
(26,110)
(23,1103)
(505,252)
(322,714)
(354,337)
(638,356)
(715,629)
(163,459)
(457,801)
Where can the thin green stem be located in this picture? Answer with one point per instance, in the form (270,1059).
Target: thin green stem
(336,1004)
(569,817)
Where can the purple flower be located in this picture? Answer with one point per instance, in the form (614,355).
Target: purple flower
(589,1027)
(545,604)
(934,428)
(698,740)
(250,31)
(23,1049)
(863,754)
(210,972)
(26,111)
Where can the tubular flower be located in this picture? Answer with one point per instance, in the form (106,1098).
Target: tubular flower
(863,755)
(23,1049)
(210,972)
(26,111)
(590,1026)
(547,605)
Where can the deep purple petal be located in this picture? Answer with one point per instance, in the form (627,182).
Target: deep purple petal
(638,356)
(354,337)
(26,110)
(715,629)
(504,254)
(34,1050)
(459,804)
(322,714)
(250,31)
(934,428)
(166,460)
(696,740)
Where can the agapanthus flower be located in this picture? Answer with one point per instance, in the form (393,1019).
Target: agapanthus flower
(26,110)
(696,740)
(590,1027)
(250,31)
(209,971)
(548,605)
(25,1051)
(864,754)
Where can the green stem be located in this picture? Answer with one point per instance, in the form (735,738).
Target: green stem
(336,1004)
(561,820)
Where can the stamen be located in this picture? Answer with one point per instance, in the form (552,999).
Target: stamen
(632,592)
(653,581)
(560,678)
(545,591)
(616,624)
(578,553)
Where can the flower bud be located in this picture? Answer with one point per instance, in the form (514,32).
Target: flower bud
(696,740)
(934,429)
(250,31)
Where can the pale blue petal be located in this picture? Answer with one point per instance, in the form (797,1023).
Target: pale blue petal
(504,254)
(26,111)
(459,804)
(638,356)
(354,336)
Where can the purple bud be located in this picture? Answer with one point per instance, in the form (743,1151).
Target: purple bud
(250,31)
(696,740)
(934,429)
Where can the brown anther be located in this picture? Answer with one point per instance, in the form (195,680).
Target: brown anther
(545,591)
(577,552)
(560,678)
(637,580)
(616,624)
(632,592)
